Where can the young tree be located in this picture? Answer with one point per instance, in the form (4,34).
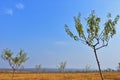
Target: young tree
(87,68)
(118,67)
(14,62)
(38,67)
(109,70)
(93,37)
(62,66)
(22,68)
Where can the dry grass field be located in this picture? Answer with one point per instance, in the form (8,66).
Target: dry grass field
(59,76)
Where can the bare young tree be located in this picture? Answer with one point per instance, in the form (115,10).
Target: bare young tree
(87,68)
(14,62)
(93,36)
(118,67)
(38,67)
(62,66)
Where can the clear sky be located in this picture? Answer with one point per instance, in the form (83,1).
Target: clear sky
(37,27)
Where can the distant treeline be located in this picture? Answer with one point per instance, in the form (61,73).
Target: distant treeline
(56,70)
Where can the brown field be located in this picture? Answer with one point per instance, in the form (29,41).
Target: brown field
(59,76)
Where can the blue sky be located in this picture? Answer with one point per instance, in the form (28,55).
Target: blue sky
(37,27)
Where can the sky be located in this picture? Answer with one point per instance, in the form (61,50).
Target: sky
(37,27)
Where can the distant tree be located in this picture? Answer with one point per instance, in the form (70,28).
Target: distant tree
(92,37)
(109,70)
(38,67)
(62,66)
(87,68)
(22,68)
(118,67)
(14,62)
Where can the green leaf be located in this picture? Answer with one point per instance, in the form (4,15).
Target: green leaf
(70,33)
(79,26)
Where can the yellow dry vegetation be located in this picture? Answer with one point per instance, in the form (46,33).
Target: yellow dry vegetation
(59,76)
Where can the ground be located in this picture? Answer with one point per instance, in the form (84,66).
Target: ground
(59,76)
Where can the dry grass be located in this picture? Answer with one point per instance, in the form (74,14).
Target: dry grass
(60,76)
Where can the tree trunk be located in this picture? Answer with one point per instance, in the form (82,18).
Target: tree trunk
(13,74)
(100,71)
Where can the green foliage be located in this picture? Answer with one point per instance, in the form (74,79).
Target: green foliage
(109,29)
(93,35)
(7,55)
(93,28)
(70,33)
(22,57)
(14,62)
(78,26)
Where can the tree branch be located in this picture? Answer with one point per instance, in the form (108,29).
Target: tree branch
(97,42)
(102,46)
(101,34)
(82,41)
